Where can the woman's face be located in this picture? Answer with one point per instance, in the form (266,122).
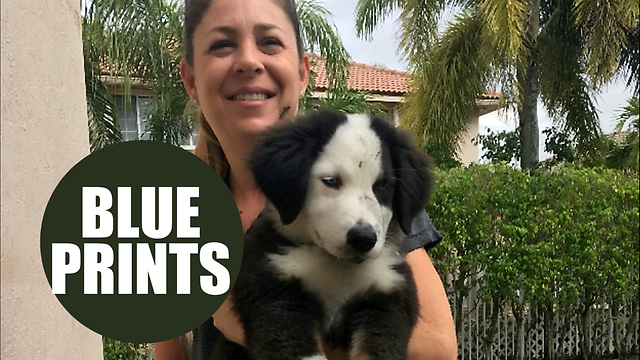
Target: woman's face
(246,69)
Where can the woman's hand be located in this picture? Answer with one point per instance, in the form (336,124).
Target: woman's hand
(226,320)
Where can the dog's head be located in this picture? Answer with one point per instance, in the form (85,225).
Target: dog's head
(339,180)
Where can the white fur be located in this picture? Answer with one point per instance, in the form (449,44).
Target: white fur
(334,280)
(315,357)
(354,154)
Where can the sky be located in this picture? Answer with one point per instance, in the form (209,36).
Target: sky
(382,51)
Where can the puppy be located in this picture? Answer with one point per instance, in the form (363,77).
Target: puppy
(321,262)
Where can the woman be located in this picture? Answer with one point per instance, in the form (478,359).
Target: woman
(244,66)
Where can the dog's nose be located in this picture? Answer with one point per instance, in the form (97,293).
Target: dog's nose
(361,237)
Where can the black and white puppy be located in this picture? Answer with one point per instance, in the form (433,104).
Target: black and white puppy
(322,261)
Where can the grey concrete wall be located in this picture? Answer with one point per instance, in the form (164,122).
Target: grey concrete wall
(43,134)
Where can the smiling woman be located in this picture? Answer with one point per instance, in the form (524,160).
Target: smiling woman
(245,67)
(246,61)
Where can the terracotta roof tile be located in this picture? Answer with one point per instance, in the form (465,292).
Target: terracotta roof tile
(374,79)
(365,78)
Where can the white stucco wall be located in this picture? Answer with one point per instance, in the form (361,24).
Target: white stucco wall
(469,152)
(43,134)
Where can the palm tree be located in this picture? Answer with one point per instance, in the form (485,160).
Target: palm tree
(628,156)
(134,41)
(562,51)
(141,41)
(630,59)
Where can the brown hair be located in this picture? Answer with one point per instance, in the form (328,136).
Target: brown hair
(208,147)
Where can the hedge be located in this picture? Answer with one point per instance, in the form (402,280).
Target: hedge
(566,240)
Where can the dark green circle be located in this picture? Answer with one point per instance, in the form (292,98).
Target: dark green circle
(139,318)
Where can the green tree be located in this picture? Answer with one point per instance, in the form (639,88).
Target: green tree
(503,146)
(628,120)
(134,42)
(579,253)
(140,41)
(118,350)
(562,51)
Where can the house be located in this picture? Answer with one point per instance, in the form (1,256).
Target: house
(385,87)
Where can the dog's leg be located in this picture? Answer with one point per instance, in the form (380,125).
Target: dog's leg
(378,341)
(283,324)
(290,337)
(380,337)
(382,326)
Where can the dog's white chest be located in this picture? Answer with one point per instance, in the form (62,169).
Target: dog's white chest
(335,281)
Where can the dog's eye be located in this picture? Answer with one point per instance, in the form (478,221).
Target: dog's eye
(380,185)
(332,182)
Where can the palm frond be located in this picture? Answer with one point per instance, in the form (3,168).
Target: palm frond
(628,154)
(564,87)
(419,29)
(506,24)
(630,59)
(321,35)
(370,13)
(447,85)
(605,25)
(101,111)
(141,40)
(629,116)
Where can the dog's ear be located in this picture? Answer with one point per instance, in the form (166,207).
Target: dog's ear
(283,157)
(412,172)
(281,166)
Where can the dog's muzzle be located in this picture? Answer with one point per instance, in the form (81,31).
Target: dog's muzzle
(361,237)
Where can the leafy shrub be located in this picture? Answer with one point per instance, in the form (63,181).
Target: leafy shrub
(566,239)
(117,350)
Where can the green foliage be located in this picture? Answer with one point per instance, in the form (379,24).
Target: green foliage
(320,35)
(446,85)
(351,102)
(503,146)
(134,41)
(141,41)
(560,145)
(443,159)
(630,58)
(622,152)
(561,51)
(117,350)
(629,120)
(567,237)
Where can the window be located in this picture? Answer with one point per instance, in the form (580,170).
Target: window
(132,117)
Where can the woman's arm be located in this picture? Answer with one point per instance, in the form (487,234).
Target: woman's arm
(170,350)
(434,336)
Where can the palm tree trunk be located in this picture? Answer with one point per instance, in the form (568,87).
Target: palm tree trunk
(528,110)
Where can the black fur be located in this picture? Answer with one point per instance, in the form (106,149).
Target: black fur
(282,161)
(410,167)
(281,319)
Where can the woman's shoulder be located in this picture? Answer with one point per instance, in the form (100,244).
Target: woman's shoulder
(422,235)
